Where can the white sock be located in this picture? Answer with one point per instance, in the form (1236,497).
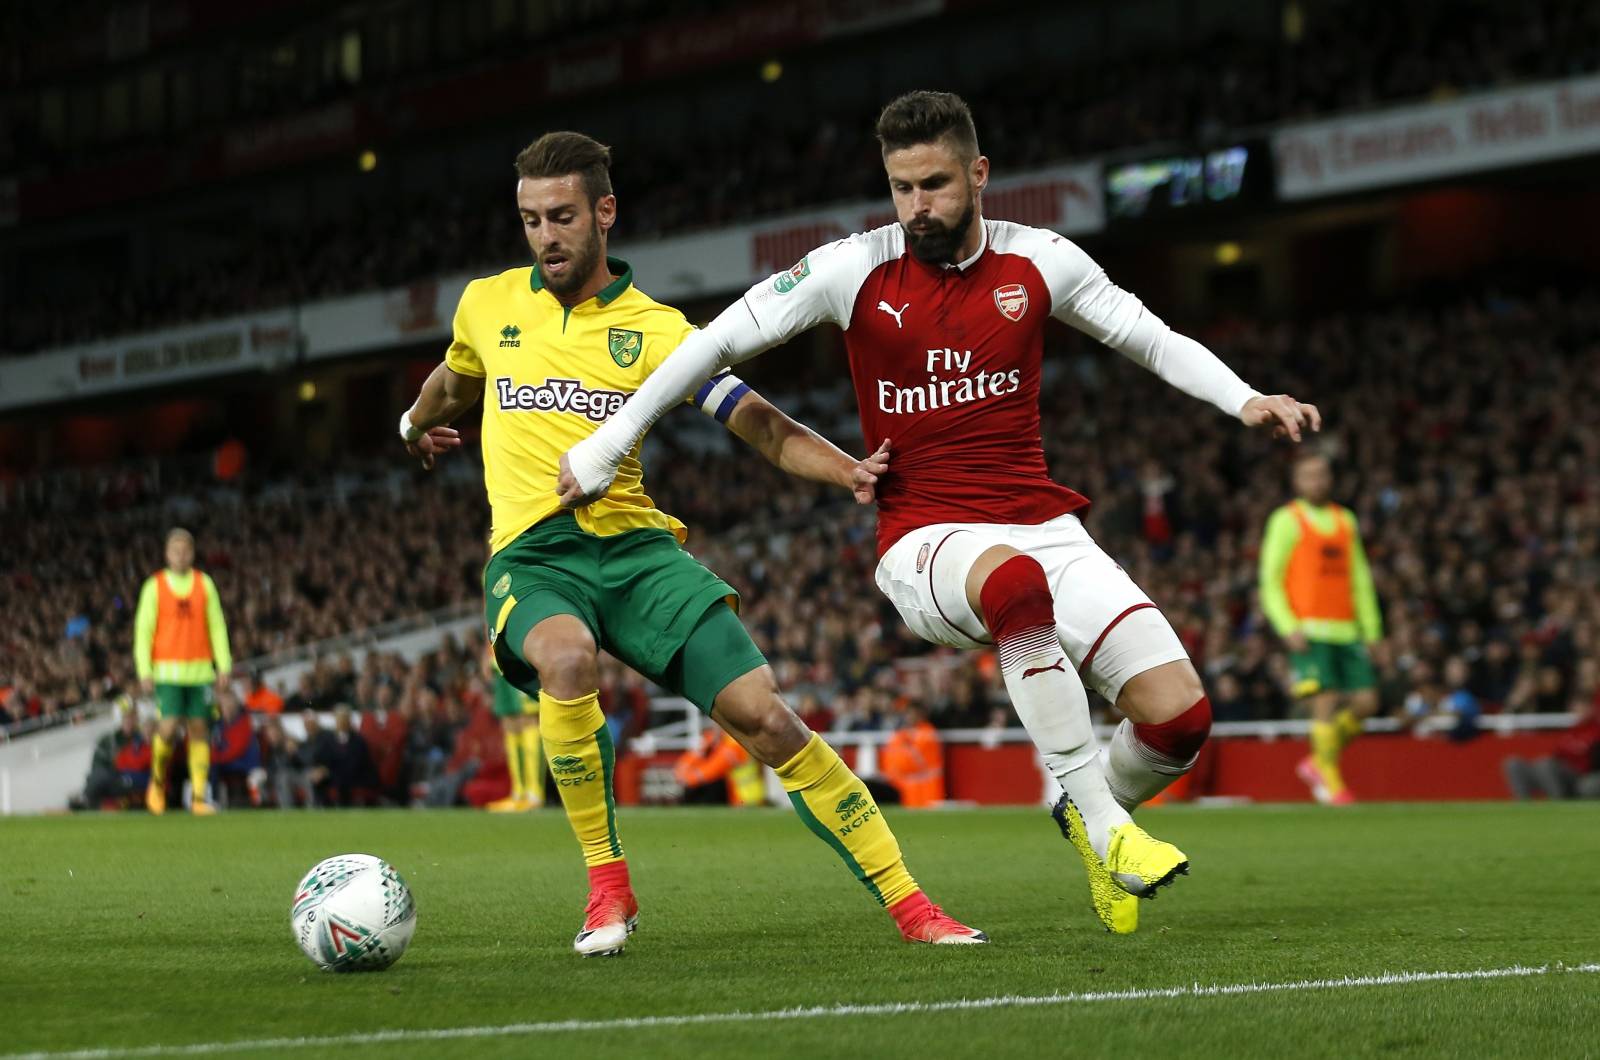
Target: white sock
(1050,701)
(1136,772)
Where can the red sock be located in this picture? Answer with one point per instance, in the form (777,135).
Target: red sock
(1181,738)
(612,876)
(909,908)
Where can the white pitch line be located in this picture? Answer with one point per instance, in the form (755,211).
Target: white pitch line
(1195,990)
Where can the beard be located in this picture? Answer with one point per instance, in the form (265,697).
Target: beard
(581,264)
(937,242)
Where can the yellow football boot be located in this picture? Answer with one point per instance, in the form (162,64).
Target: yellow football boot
(1117,909)
(1140,863)
(155,799)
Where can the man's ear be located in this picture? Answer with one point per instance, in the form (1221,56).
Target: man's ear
(605,212)
(979,172)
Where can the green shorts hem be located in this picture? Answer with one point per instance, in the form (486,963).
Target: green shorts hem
(717,652)
(186,701)
(1325,667)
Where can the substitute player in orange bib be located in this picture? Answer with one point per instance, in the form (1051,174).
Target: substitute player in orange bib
(943,316)
(180,651)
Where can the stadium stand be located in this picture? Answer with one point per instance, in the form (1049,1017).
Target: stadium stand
(1482,522)
(716,173)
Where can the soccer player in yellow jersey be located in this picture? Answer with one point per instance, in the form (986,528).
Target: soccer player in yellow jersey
(180,651)
(1316,590)
(554,349)
(519,721)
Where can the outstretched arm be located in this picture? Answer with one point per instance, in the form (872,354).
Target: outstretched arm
(796,449)
(1087,299)
(588,467)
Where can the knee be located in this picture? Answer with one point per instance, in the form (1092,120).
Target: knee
(1182,732)
(566,664)
(1016,596)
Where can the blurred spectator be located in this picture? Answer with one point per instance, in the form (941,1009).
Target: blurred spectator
(1572,771)
(235,754)
(913,760)
(120,768)
(261,699)
(341,769)
(720,772)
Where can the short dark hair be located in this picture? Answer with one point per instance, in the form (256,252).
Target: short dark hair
(556,154)
(923,117)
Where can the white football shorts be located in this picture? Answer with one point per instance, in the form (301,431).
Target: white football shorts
(1108,627)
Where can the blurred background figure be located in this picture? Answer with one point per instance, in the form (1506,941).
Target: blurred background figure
(913,760)
(1572,772)
(720,772)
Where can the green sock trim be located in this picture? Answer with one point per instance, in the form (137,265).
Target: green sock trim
(826,835)
(608,762)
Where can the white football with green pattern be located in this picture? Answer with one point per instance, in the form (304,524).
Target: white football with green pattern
(353,913)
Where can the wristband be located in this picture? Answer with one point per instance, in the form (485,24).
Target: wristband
(409,432)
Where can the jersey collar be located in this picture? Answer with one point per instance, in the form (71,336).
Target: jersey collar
(608,294)
(983,245)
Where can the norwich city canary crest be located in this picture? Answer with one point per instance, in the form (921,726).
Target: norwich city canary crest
(502,587)
(626,346)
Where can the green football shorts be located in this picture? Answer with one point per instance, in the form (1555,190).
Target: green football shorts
(1331,668)
(643,598)
(512,702)
(186,701)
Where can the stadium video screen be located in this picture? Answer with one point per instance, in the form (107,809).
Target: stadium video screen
(1187,182)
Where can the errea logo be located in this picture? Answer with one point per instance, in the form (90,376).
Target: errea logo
(510,335)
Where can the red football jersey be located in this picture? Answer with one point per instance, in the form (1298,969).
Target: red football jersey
(946,362)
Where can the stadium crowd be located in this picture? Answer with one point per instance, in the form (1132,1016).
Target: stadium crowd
(1372,53)
(1457,431)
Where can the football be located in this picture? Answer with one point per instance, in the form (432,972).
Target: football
(353,913)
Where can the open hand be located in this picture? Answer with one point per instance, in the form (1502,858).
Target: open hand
(434,442)
(1287,416)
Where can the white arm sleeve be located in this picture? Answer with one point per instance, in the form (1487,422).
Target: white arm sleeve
(1085,298)
(729,339)
(821,287)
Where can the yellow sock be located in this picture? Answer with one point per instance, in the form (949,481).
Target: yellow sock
(514,763)
(199,767)
(834,804)
(1349,727)
(158,761)
(532,762)
(577,744)
(1325,747)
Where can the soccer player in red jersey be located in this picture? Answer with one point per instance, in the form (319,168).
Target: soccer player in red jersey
(943,316)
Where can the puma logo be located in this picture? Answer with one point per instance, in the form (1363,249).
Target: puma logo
(1057,665)
(887,308)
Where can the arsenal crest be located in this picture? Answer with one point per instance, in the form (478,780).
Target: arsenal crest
(1012,300)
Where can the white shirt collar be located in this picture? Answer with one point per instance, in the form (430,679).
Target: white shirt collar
(983,244)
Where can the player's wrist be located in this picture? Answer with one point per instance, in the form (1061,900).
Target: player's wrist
(409,432)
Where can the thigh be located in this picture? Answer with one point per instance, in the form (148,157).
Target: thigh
(551,569)
(653,596)
(1109,628)
(925,576)
(717,652)
(1355,668)
(171,700)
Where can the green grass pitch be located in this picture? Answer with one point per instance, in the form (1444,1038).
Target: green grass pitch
(121,933)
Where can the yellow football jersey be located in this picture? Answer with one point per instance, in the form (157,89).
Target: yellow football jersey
(552,375)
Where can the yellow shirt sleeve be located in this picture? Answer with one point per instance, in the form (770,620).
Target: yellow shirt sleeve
(666,334)
(1277,545)
(144,630)
(218,628)
(461,357)
(1368,616)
